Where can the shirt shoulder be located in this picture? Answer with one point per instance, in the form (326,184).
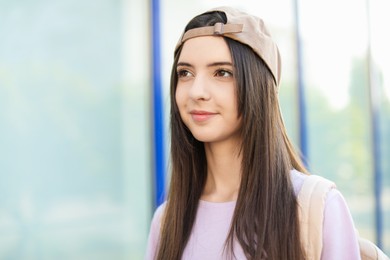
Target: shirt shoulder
(154,233)
(339,235)
(340,239)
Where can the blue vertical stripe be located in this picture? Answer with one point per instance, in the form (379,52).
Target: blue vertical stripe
(375,134)
(158,114)
(377,171)
(301,90)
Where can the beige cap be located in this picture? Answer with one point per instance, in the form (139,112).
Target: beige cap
(244,28)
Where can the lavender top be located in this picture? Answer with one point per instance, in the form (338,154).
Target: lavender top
(213,220)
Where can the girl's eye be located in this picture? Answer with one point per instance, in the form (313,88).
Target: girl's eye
(223,73)
(184,73)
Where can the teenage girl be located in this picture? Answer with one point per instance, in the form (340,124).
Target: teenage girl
(235,175)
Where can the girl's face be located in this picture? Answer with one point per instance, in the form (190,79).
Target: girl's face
(206,91)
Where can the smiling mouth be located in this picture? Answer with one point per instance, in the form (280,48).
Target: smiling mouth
(201,116)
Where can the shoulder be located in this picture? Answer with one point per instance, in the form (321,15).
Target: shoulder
(154,233)
(314,188)
(333,195)
(159,212)
(329,212)
(312,183)
(156,221)
(340,240)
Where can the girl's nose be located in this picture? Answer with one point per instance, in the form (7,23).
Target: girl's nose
(199,89)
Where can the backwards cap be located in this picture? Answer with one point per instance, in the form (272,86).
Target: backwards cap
(244,28)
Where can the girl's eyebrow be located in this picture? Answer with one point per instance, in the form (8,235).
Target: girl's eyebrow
(183,64)
(220,63)
(214,64)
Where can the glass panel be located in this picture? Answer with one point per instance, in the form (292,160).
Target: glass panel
(136,127)
(337,83)
(74,167)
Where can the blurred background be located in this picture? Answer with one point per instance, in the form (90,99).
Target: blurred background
(84,114)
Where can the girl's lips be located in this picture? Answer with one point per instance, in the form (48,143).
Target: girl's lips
(201,116)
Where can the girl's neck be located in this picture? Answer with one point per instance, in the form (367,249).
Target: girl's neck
(223,172)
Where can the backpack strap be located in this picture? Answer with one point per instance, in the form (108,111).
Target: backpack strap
(311,204)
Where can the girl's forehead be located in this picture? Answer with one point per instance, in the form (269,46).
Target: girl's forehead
(205,49)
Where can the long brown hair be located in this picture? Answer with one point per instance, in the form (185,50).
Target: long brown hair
(265,220)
